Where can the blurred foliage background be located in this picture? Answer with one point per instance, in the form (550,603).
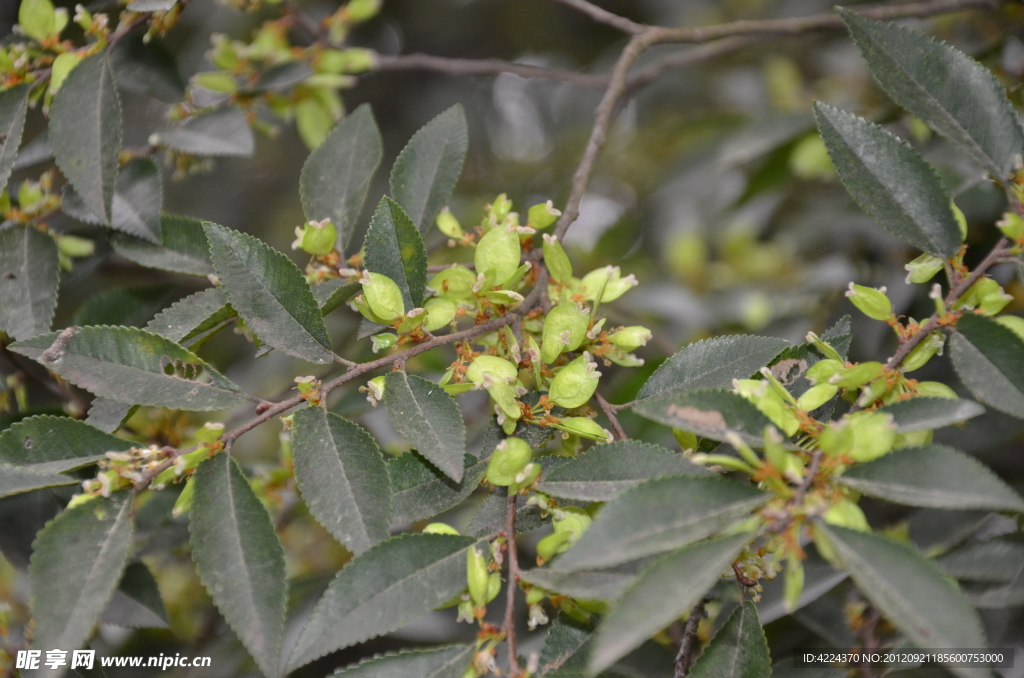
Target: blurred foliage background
(714,190)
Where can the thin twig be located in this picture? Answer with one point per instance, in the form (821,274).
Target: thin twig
(689,643)
(609,411)
(604,16)
(509,626)
(451,66)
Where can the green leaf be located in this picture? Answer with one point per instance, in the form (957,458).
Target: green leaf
(996,560)
(442,662)
(337,175)
(664,592)
(911,592)
(383,589)
(46,444)
(492,514)
(183,247)
(128,306)
(738,650)
(603,472)
(999,597)
(922,414)
(109,415)
(13,105)
(270,293)
(420,491)
(428,168)
(29,273)
(989,359)
(429,420)
(890,181)
(15,480)
(138,198)
(76,564)
(222,132)
(136,603)
(189,318)
(935,476)
(566,647)
(131,366)
(239,558)
(331,294)
(395,248)
(343,478)
(660,515)
(712,413)
(146,67)
(606,585)
(952,93)
(712,363)
(85,132)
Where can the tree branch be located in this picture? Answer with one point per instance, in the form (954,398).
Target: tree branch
(604,16)
(509,626)
(689,643)
(609,411)
(428,62)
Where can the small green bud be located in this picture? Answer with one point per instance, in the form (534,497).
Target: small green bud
(476,577)
(535,596)
(936,389)
(499,252)
(630,338)
(316,237)
(448,224)
(454,283)
(823,370)
(810,159)
(874,391)
(383,341)
(503,297)
(503,394)
(73,246)
(686,439)
(350,61)
(440,312)
(383,296)
(375,390)
(873,435)
(29,193)
(565,328)
(37,19)
(209,432)
(961,220)
(794,582)
(62,67)
(924,351)
(493,586)
(816,396)
(610,280)
(768,400)
(871,302)
(992,302)
(501,207)
(440,528)
(858,375)
(361,10)
(528,476)
(586,428)
(541,216)
(1013,323)
(183,504)
(847,514)
(510,457)
(836,438)
(571,520)
(223,55)
(556,259)
(216,81)
(575,383)
(551,545)
(1012,226)
(923,269)
(493,364)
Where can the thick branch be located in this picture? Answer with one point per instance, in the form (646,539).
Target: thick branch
(689,643)
(509,625)
(604,16)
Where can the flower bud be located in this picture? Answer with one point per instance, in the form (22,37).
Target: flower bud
(448,224)
(858,375)
(493,364)
(610,280)
(936,389)
(556,259)
(551,545)
(375,390)
(823,370)
(871,302)
(686,439)
(454,283)
(630,338)
(383,341)
(510,457)
(209,432)
(440,528)
(565,328)
(923,269)
(816,396)
(575,383)
(476,577)
(440,312)
(873,435)
(316,237)
(542,215)
(498,252)
(585,427)
(383,296)
(1012,226)
(501,206)
(73,246)
(184,502)
(924,351)
(1013,323)
(847,514)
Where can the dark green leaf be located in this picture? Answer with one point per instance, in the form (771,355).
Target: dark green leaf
(190,317)
(29,274)
(383,589)
(989,359)
(420,491)
(911,592)
(146,67)
(819,578)
(132,366)
(738,650)
(566,647)
(955,95)
(48,444)
(922,414)
(890,181)
(222,132)
(183,247)
(138,198)
(85,131)
(429,420)
(342,477)
(996,560)
(607,585)
(239,558)
(712,413)
(280,77)
(77,561)
(332,293)
(270,293)
(493,512)
(999,597)
(712,363)
(337,175)
(128,306)
(151,5)
(664,592)
(660,515)
(444,662)
(395,248)
(15,480)
(109,415)
(428,168)
(605,471)
(13,105)
(935,476)
(136,603)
